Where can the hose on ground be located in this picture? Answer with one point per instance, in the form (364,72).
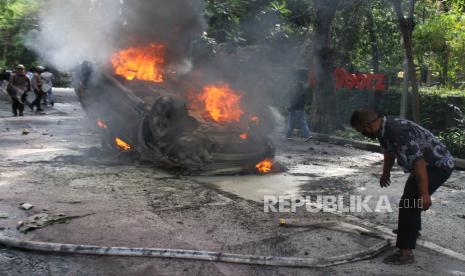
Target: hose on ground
(195,254)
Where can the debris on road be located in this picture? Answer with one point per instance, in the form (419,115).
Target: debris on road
(25,132)
(41,220)
(3,215)
(26,206)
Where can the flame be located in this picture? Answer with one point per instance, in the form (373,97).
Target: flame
(264,166)
(101,124)
(255,119)
(244,136)
(219,103)
(142,63)
(122,145)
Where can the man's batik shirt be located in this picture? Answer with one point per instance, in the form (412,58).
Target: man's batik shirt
(410,142)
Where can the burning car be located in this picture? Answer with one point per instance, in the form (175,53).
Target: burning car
(145,108)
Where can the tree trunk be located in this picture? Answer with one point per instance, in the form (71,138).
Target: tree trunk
(445,66)
(404,96)
(373,40)
(324,108)
(5,47)
(406,28)
(374,96)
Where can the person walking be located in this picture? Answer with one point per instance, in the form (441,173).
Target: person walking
(419,153)
(47,85)
(297,115)
(37,87)
(17,89)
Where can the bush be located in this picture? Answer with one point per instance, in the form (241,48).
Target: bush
(442,112)
(454,138)
(435,105)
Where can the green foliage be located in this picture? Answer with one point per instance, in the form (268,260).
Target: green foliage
(352,41)
(434,104)
(241,22)
(16,18)
(224,20)
(440,44)
(454,138)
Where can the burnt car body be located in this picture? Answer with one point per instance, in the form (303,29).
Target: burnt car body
(160,129)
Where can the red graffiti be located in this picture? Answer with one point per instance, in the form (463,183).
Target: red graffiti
(360,81)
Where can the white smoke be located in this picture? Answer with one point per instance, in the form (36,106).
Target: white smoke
(72,31)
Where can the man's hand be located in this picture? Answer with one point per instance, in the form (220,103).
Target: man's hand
(385,180)
(425,202)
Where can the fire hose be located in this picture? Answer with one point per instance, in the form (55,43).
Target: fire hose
(196,254)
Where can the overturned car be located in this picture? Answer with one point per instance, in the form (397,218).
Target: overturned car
(176,123)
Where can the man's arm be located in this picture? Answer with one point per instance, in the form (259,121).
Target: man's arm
(29,85)
(389,160)
(421,177)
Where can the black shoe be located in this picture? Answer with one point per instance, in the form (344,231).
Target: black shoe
(399,259)
(52,103)
(21,114)
(31,107)
(39,109)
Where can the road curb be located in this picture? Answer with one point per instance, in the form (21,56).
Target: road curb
(335,140)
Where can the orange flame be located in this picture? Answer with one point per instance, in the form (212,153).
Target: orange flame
(244,136)
(219,103)
(101,124)
(122,145)
(264,166)
(142,63)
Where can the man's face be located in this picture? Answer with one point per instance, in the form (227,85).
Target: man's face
(20,71)
(367,130)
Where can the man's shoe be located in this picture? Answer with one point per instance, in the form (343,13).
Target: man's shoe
(21,114)
(308,138)
(40,109)
(31,107)
(52,103)
(399,259)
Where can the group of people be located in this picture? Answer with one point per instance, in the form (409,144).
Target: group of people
(38,81)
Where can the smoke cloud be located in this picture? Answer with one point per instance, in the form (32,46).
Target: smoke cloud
(72,31)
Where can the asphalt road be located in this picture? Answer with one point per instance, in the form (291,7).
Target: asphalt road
(58,168)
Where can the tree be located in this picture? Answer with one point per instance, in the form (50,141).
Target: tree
(323,114)
(440,44)
(16,18)
(406,26)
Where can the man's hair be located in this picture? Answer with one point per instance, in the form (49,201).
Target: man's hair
(362,116)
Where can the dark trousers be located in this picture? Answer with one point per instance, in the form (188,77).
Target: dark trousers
(37,100)
(410,206)
(17,105)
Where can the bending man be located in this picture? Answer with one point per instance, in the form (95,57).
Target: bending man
(419,153)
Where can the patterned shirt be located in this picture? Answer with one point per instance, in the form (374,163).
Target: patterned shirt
(410,142)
